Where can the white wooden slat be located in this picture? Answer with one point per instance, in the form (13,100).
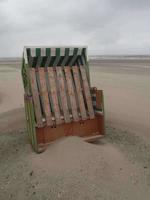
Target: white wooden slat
(35,95)
(44,94)
(53,92)
(62,90)
(71,93)
(87,93)
(79,92)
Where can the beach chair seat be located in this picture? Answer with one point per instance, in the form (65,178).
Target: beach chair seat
(58,98)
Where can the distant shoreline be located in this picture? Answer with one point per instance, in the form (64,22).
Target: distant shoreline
(116,57)
(93,57)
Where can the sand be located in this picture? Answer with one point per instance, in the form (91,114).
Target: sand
(11,88)
(127,96)
(116,167)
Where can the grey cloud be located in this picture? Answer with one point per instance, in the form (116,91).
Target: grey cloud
(130,4)
(106,26)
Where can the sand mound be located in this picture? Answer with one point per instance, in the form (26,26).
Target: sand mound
(71,169)
(66,154)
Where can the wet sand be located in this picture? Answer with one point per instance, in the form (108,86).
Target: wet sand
(116,167)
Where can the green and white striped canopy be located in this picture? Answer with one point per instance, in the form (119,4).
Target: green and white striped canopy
(55,56)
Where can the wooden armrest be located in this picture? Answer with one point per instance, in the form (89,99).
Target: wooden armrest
(97,99)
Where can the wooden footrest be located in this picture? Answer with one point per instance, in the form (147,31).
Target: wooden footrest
(92,138)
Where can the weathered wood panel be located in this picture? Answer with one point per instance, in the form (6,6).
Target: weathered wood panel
(44,94)
(35,95)
(79,92)
(53,91)
(87,93)
(63,96)
(71,93)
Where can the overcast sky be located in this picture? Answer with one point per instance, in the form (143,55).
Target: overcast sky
(105,26)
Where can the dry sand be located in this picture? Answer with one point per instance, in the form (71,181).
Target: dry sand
(11,87)
(117,167)
(126,86)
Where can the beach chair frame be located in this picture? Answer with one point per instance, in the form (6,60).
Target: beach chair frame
(59,100)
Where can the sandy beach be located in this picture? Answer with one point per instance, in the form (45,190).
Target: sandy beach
(116,167)
(127,97)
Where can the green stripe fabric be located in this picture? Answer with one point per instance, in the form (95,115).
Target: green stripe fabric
(55,56)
